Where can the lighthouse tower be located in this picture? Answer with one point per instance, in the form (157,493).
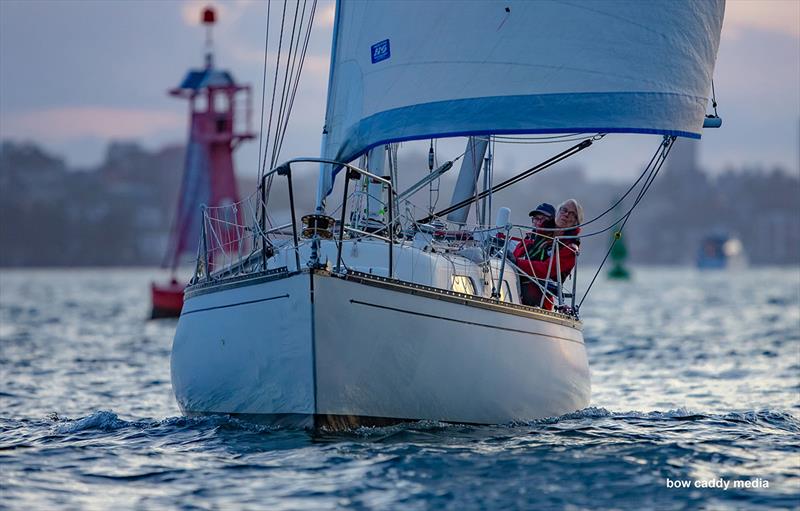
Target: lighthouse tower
(215,130)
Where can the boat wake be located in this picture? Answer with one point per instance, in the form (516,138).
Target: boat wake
(108,421)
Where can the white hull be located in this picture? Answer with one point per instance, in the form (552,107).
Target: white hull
(368,350)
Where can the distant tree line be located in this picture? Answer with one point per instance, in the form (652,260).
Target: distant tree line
(120,212)
(115,214)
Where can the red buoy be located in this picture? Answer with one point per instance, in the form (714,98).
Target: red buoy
(167,299)
(209,16)
(209,175)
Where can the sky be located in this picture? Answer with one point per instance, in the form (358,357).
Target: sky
(76,74)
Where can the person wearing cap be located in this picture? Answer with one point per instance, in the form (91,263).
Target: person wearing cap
(535,247)
(568,220)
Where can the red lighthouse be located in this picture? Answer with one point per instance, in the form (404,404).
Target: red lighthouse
(208,178)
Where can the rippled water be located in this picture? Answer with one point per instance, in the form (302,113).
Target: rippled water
(696,377)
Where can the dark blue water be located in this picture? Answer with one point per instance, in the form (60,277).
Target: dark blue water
(696,379)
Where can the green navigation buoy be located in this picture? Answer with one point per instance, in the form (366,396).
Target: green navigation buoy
(619,253)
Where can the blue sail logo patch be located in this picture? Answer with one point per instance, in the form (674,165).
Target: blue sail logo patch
(380,51)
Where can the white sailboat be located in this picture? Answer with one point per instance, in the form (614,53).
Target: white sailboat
(379,315)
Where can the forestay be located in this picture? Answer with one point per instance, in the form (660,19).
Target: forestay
(417,70)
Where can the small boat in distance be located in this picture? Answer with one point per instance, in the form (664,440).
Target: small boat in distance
(208,176)
(721,252)
(371,308)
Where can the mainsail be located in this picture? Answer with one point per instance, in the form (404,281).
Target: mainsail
(407,71)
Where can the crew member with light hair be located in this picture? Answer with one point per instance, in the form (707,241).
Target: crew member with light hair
(569,217)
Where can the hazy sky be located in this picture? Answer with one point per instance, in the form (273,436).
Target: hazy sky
(75,74)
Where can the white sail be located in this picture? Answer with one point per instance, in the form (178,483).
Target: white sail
(417,70)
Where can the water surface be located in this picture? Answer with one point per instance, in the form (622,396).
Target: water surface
(696,378)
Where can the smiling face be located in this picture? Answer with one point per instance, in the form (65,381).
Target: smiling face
(567,216)
(539,220)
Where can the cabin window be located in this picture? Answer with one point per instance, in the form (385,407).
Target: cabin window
(463,284)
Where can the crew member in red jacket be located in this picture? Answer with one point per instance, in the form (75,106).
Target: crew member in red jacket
(535,247)
(569,216)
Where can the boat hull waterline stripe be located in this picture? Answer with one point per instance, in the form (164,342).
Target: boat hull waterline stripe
(494,327)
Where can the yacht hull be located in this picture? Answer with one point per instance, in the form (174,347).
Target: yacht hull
(314,349)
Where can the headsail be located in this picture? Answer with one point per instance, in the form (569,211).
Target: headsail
(195,190)
(405,71)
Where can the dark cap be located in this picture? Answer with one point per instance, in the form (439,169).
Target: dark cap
(544,209)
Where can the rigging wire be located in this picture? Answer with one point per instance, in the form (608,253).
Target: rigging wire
(299,72)
(274,88)
(664,149)
(519,177)
(644,172)
(263,96)
(281,103)
(649,172)
(714,98)
(284,83)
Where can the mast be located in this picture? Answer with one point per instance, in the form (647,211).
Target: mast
(324,169)
(468,177)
